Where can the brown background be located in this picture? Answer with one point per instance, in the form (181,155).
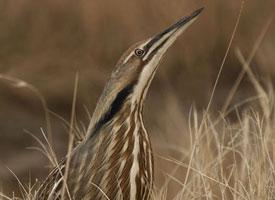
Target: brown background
(46,42)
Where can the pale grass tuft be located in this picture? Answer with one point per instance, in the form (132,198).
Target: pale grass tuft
(19,83)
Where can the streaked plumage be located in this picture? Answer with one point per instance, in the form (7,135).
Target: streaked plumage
(115,161)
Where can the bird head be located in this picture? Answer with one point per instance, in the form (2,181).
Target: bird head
(135,70)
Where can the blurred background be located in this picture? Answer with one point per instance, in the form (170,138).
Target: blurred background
(45,43)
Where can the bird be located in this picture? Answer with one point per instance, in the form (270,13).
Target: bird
(115,160)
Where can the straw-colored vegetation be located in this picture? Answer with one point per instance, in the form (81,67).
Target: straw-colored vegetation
(224,160)
(222,152)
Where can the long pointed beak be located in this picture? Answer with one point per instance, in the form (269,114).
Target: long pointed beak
(162,41)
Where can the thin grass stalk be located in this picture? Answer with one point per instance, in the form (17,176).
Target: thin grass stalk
(71,140)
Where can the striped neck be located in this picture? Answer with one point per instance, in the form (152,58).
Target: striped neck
(136,160)
(126,147)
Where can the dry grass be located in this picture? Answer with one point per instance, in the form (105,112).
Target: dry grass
(229,160)
(224,160)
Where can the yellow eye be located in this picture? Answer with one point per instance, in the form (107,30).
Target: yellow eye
(139,52)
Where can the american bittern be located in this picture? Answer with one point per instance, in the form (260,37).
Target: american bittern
(115,160)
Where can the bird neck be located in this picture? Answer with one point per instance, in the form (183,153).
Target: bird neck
(127,147)
(109,108)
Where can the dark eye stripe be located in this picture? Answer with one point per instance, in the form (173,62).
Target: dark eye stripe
(151,55)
